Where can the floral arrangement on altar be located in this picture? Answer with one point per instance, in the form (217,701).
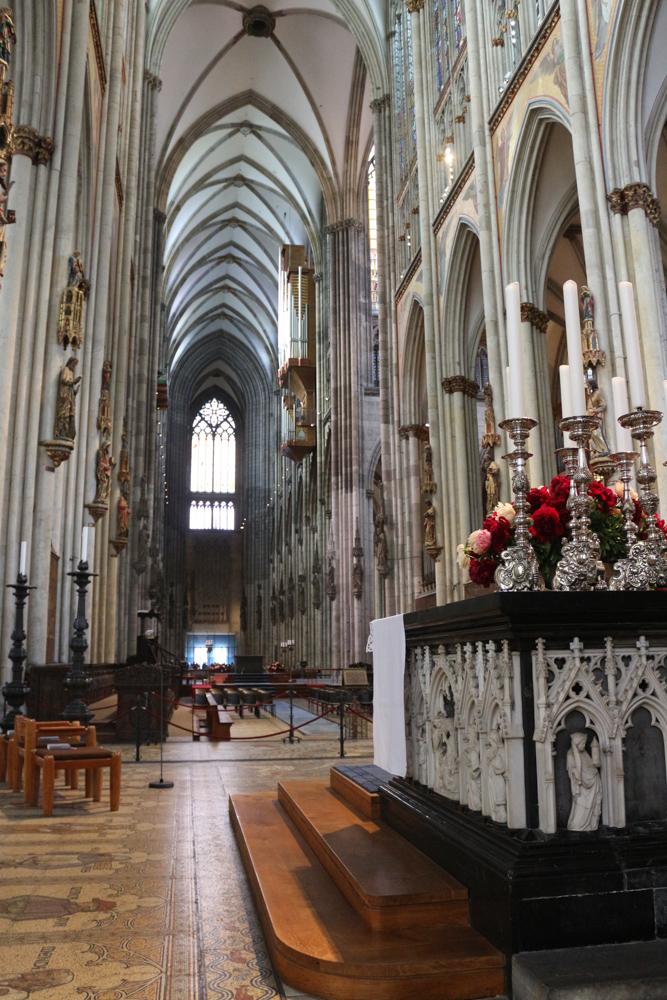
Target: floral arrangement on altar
(550,519)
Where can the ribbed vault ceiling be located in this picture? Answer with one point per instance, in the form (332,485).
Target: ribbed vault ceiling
(260,141)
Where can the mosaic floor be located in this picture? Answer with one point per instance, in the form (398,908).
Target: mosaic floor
(151,902)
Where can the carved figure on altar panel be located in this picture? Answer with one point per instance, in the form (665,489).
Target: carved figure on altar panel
(68,389)
(473,772)
(421,755)
(496,760)
(583,769)
(443,742)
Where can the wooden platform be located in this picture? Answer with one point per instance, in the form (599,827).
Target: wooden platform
(350,910)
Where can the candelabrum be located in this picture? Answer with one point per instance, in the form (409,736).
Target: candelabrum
(16,690)
(646,563)
(519,570)
(625,463)
(579,567)
(77,681)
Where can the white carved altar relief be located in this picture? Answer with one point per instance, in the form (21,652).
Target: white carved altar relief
(464,727)
(607,686)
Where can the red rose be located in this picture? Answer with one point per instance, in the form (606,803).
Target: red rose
(661,524)
(603,496)
(499,528)
(546,524)
(538,496)
(482,571)
(639,513)
(559,491)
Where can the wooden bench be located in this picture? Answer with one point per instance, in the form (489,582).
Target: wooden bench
(219,721)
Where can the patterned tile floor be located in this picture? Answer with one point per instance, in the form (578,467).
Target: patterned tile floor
(151,902)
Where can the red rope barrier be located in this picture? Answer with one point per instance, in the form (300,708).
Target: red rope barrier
(266,736)
(354,712)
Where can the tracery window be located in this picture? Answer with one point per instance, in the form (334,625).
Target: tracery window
(441,34)
(458,24)
(213,467)
(406,130)
(372,230)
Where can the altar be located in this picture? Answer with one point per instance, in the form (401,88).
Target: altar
(535,734)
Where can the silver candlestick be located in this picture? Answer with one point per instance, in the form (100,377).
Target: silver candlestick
(519,570)
(625,463)
(646,562)
(579,567)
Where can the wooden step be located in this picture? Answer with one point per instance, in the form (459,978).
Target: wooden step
(387,880)
(368,803)
(317,942)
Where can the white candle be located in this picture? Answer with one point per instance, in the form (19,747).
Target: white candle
(516,404)
(566,401)
(574,355)
(632,348)
(24,546)
(84,544)
(299,302)
(664,385)
(619,392)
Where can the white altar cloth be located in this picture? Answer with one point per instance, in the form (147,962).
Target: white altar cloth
(388,638)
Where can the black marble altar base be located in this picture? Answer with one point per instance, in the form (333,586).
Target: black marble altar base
(531,891)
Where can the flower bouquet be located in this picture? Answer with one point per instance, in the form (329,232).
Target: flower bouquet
(550,519)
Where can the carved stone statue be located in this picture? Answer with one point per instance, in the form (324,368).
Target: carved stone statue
(281,602)
(290,597)
(124,476)
(443,742)
(301,594)
(142,545)
(105,464)
(68,388)
(70,320)
(421,756)
(596,407)
(585,784)
(122,519)
(316,582)
(473,774)
(429,526)
(497,768)
(75,275)
(380,545)
(273,606)
(492,486)
(331,577)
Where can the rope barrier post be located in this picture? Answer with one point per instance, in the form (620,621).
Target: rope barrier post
(341,712)
(291,737)
(138,728)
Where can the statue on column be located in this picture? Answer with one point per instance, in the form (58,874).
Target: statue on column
(122,520)
(492,487)
(105,464)
(357,566)
(316,584)
(273,607)
(104,423)
(590,344)
(7,217)
(301,594)
(490,439)
(70,321)
(583,769)
(68,389)
(7,35)
(596,407)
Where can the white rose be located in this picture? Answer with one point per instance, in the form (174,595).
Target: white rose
(462,557)
(505,510)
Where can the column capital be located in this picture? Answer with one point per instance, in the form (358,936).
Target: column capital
(380,104)
(531,314)
(159,216)
(28,142)
(153,81)
(414,6)
(342,225)
(635,195)
(419,431)
(459,383)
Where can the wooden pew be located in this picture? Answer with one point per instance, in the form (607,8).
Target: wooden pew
(219,721)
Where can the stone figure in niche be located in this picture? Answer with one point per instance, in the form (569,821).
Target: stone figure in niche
(583,769)
(317,590)
(7,35)
(281,602)
(68,389)
(104,423)
(273,606)
(301,594)
(497,769)
(490,438)
(331,577)
(357,579)
(124,475)
(447,765)
(142,545)
(429,526)
(75,275)
(473,774)
(105,464)
(7,217)
(122,519)
(492,487)
(596,407)
(290,597)
(407,715)
(420,740)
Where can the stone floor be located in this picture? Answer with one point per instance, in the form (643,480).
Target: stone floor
(151,902)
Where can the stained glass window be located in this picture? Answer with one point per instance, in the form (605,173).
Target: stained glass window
(411,75)
(213,450)
(458,24)
(372,230)
(213,468)
(441,34)
(217,515)
(400,93)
